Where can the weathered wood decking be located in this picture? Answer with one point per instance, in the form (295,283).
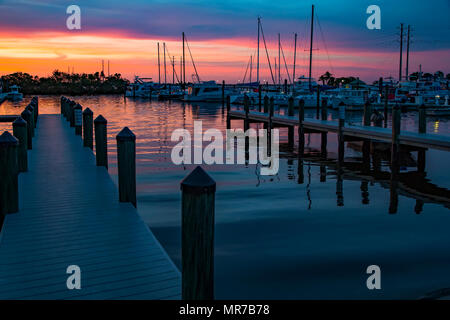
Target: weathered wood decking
(70,215)
(420,140)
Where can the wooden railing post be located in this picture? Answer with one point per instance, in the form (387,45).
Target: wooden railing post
(21,133)
(396,119)
(88,127)
(26,115)
(197,240)
(32,120)
(266,104)
(101,143)
(126,164)
(422,119)
(78,119)
(9,171)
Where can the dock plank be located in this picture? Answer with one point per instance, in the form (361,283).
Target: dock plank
(70,215)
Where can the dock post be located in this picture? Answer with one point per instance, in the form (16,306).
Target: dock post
(33,104)
(223,91)
(266,104)
(78,119)
(21,133)
(9,171)
(88,125)
(26,115)
(421,154)
(101,145)
(422,119)
(71,113)
(291,128)
(246,109)
(367,113)
(301,130)
(324,135)
(126,164)
(32,119)
(35,99)
(341,140)
(259,97)
(228,112)
(197,240)
(318,102)
(396,118)
(285,86)
(386,91)
(61,102)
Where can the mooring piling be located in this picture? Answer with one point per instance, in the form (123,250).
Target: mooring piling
(21,133)
(88,127)
(78,119)
(101,143)
(198,205)
(126,164)
(26,115)
(9,171)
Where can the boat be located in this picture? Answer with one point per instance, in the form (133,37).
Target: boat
(204,91)
(352,99)
(143,88)
(14,94)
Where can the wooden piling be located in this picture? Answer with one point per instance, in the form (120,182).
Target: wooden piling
(35,99)
(26,115)
(88,127)
(9,171)
(101,143)
(367,113)
(396,119)
(72,105)
(78,119)
(266,104)
(301,130)
(21,133)
(126,164)
(259,97)
(318,102)
(291,128)
(422,119)
(386,92)
(197,240)
(285,86)
(246,109)
(32,126)
(341,140)
(228,112)
(223,91)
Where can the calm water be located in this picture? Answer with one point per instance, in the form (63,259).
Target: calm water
(281,237)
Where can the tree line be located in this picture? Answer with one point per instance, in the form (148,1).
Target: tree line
(66,83)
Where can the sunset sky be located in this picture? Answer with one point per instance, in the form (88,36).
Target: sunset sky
(222,36)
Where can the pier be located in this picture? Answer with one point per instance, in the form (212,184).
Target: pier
(68,213)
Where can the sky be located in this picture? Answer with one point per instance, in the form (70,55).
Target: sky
(222,35)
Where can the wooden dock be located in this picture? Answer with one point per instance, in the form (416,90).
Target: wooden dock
(70,215)
(418,140)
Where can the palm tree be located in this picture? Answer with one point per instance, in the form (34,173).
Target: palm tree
(325,77)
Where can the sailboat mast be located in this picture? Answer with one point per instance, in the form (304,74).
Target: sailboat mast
(401,53)
(184,64)
(311,46)
(257,64)
(165,73)
(251,66)
(279,60)
(173,69)
(295,57)
(159,67)
(407,55)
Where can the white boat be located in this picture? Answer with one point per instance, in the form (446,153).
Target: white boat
(142,87)
(14,93)
(352,99)
(204,91)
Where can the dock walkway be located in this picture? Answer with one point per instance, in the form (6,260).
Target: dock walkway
(420,140)
(70,215)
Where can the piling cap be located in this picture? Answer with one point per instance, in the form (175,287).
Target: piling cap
(126,135)
(78,106)
(30,107)
(19,122)
(100,119)
(88,111)
(26,114)
(198,182)
(7,139)
(33,102)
